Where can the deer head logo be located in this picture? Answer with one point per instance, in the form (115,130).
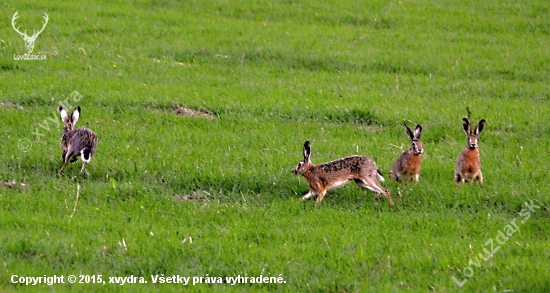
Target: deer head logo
(29,41)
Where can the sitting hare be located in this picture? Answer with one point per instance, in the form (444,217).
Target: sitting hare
(468,166)
(407,167)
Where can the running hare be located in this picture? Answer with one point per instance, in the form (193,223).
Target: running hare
(76,142)
(468,166)
(362,170)
(408,165)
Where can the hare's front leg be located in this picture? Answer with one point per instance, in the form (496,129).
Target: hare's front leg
(63,167)
(320,196)
(63,155)
(478,176)
(308,195)
(65,162)
(66,158)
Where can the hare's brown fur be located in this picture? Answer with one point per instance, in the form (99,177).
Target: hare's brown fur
(468,165)
(323,177)
(406,168)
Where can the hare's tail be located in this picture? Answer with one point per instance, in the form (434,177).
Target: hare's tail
(86,154)
(380,176)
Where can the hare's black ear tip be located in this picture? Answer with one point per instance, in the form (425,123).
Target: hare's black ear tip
(60,108)
(307,143)
(482,121)
(78,108)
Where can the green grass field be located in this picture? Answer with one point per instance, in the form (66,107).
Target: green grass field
(272,74)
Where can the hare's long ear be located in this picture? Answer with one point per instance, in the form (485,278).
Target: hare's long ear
(417,131)
(75,115)
(409,131)
(64,114)
(307,151)
(466,125)
(479,127)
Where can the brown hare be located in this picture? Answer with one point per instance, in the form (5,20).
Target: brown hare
(468,166)
(407,166)
(362,170)
(76,142)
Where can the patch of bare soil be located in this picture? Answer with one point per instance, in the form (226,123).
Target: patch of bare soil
(12,184)
(9,105)
(189,197)
(193,113)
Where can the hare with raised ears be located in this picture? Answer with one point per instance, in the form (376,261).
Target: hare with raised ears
(468,166)
(362,170)
(407,166)
(76,142)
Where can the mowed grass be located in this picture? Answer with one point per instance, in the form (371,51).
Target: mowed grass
(344,75)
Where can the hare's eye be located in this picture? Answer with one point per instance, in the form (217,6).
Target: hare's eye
(300,164)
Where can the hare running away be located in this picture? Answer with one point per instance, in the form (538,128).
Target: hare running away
(76,142)
(323,177)
(407,166)
(468,166)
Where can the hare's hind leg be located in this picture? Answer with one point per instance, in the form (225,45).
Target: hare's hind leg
(396,177)
(458,178)
(83,166)
(375,187)
(393,176)
(363,184)
(86,157)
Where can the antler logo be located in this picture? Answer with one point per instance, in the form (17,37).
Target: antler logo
(29,41)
